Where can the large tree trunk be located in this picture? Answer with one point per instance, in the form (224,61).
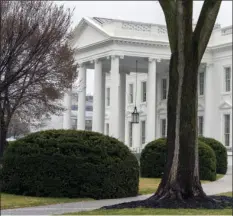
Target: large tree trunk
(181,177)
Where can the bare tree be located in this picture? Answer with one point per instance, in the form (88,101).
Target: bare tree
(18,127)
(36,62)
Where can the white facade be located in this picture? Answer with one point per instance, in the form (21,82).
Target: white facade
(111,48)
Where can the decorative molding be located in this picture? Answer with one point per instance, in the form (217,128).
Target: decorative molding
(136,26)
(200,107)
(225,105)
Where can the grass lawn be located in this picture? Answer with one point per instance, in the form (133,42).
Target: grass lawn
(149,185)
(150,211)
(8,201)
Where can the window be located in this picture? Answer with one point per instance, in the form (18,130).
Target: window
(74,107)
(227,129)
(130,93)
(201,83)
(89,108)
(74,124)
(107,128)
(130,134)
(143,91)
(164,89)
(108,97)
(200,125)
(227,79)
(143,132)
(88,125)
(163,127)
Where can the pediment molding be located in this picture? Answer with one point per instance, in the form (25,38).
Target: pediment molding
(225,105)
(200,107)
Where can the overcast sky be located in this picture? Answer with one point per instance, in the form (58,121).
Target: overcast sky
(144,11)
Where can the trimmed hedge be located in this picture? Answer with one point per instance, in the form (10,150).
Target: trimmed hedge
(154,156)
(70,163)
(220,152)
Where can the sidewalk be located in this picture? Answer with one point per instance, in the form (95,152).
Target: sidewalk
(220,186)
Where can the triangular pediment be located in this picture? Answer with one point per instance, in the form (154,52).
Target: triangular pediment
(200,107)
(87,34)
(225,105)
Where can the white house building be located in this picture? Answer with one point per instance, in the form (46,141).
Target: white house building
(112,48)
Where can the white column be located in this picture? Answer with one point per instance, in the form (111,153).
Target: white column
(209,97)
(98,118)
(103,101)
(122,98)
(117,100)
(67,113)
(151,102)
(81,98)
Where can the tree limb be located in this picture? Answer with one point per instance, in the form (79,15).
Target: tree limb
(169,10)
(205,25)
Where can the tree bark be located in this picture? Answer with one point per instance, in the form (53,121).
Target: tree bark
(3,136)
(181,176)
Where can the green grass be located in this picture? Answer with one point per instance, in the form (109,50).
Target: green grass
(151,211)
(150,185)
(10,201)
(148,211)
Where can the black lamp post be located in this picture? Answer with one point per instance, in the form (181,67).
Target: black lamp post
(135,114)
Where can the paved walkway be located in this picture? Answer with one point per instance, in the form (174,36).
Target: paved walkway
(222,185)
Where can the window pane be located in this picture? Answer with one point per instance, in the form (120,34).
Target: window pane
(228,79)
(200,125)
(164,89)
(227,129)
(130,134)
(108,96)
(143,91)
(107,128)
(201,83)
(130,93)
(163,128)
(143,132)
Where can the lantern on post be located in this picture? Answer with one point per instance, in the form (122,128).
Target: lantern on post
(135,114)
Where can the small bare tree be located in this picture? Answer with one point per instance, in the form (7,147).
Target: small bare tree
(18,127)
(36,62)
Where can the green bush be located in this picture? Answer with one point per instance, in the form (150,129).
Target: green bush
(207,162)
(220,152)
(70,163)
(154,156)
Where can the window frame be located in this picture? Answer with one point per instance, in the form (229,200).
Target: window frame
(108,102)
(143,133)
(131,95)
(162,89)
(225,79)
(143,94)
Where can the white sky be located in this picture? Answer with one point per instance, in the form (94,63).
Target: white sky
(144,11)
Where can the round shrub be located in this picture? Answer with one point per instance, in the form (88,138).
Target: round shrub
(207,162)
(70,163)
(220,152)
(154,156)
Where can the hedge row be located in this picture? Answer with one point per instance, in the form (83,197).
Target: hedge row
(70,163)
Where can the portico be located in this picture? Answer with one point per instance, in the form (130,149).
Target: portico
(111,48)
